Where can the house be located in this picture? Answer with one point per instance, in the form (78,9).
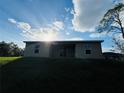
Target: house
(88,49)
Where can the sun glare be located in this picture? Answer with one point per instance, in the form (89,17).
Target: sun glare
(50,37)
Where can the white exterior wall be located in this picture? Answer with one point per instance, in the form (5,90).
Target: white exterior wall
(96,52)
(43,50)
(80,50)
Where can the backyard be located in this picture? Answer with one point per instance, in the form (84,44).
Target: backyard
(41,75)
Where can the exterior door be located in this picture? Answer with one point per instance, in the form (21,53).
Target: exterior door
(62,50)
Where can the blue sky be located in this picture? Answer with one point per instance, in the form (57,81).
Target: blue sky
(23,20)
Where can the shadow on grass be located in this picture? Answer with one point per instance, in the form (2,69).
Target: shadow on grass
(41,75)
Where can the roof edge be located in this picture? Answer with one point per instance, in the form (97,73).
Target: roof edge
(80,41)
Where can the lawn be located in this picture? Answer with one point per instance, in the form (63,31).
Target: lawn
(5,60)
(48,75)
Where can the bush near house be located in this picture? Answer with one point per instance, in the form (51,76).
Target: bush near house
(113,56)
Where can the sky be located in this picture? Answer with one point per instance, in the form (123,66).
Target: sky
(47,20)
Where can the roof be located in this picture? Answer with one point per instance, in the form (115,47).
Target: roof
(80,41)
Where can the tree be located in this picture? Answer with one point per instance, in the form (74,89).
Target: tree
(4,49)
(118,45)
(10,49)
(112,21)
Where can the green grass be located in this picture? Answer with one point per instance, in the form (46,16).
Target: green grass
(5,60)
(48,75)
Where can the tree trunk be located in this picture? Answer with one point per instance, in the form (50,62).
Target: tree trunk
(122,31)
(123,35)
(120,23)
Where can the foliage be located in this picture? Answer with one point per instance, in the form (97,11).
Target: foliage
(118,45)
(112,21)
(10,49)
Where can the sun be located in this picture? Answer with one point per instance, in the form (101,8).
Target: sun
(50,37)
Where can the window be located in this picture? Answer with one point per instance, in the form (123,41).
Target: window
(88,51)
(36,51)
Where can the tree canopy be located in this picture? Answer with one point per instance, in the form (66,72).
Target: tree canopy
(10,49)
(112,21)
(118,45)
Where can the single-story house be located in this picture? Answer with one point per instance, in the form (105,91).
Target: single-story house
(86,49)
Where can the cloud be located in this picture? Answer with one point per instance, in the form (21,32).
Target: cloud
(23,26)
(103,34)
(58,25)
(97,35)
(111,50)
(72,11)
(67,33)
(106,49)
(118,36)
(45,33)
(88,13)
(118,1)
(40,34)
(75,38)
(12,20)
(67,9)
